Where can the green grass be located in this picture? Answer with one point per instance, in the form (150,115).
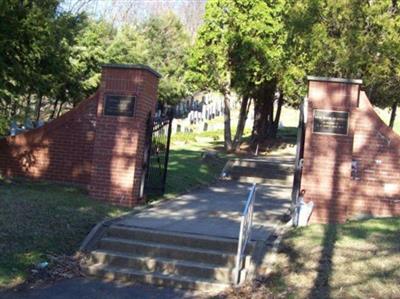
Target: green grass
(38,219)
(359,259)
(186,167)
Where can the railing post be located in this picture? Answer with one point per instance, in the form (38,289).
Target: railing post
(239,253)
(244,232)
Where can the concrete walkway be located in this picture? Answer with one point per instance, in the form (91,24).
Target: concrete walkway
(215,210)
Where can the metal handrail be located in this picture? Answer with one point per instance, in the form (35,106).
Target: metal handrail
(246,222)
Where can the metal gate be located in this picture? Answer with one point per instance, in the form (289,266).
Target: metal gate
(299,154)
(156,157)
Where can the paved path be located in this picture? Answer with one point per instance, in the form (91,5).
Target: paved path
(215,210)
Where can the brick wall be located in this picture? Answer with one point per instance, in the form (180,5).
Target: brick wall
(369,146)
(376,151)
(86,147)
(118,151)
(59,151)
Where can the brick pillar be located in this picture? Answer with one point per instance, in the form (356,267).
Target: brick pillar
(120,131)
(328,146)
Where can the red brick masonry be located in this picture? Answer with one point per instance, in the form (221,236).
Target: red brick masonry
(85,147)
(370,148)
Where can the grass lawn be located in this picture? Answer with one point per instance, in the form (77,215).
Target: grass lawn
(38,219)
(359,259)
(186,168)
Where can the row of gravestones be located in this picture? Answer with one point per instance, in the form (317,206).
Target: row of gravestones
(198,119)
(193,114)
(28,125)
(190,114)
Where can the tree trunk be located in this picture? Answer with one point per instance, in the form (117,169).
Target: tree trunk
(38,107)
(262,113)
(393,114)
(53,112)
(227,122)
(275,125)
(394,5)
(14,109)
(244,110)
(263,107)
(270,123)
(27,107)
(60,109)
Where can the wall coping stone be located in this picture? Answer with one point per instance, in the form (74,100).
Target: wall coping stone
(337,80)
(133,66)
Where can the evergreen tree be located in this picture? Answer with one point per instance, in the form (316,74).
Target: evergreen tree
(166,43)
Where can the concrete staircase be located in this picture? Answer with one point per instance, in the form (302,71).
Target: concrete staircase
(131,254)
(263,171)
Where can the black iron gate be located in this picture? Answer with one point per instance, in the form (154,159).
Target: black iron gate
(299,155)
(156,157)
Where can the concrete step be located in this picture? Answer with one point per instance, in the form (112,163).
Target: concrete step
(263,176)
(268,172)
(263,181)
(155,278)
(262,171)
(175,238)
(169,251)
(162,265)
(270,163)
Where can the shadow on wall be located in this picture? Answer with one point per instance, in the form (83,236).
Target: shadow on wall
(59,151)
(334,199)
(376,153)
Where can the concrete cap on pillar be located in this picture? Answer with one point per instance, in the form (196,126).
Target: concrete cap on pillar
(133,66)
(336,80)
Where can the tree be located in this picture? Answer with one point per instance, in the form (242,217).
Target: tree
(257,56)
(350,39)
(382,76)
(128,46)
(90,51)
(239,47)
(34,53)
(210,64)
(166,43)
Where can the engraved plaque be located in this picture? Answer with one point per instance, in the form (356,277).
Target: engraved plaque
(330,122)
(119,105)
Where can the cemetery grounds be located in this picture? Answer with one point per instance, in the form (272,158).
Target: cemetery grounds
(46,222)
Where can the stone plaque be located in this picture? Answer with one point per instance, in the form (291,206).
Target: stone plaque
(331,122)
(119,105)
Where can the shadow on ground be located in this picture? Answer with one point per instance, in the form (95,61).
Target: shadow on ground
(358,259)
(94,289)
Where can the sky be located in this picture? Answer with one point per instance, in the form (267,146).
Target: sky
(126,11)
